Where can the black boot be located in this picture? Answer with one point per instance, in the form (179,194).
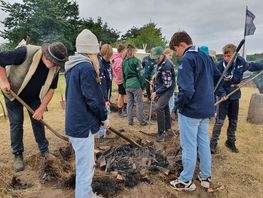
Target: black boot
(213,148)
(18,162)
(231,146)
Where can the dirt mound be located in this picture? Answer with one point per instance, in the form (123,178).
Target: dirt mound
(8,184)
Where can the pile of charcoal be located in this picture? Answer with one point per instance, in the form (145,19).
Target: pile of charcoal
(132,164)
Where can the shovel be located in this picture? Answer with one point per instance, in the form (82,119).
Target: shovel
(42,121)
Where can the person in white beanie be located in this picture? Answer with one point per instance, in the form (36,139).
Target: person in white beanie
(85,108)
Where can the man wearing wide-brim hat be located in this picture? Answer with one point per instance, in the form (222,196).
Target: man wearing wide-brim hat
(32,73)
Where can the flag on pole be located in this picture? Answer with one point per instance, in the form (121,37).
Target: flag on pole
(249,25)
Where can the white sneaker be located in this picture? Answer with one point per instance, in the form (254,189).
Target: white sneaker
(96,196)
(180,185)
(205,182)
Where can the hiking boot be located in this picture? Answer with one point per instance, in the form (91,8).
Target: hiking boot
(161,137)
(205,182)
(18,162)
(180,185)
(143,123)
(231,146)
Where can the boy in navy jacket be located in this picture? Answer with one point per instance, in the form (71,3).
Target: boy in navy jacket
(195,104)
(230,106)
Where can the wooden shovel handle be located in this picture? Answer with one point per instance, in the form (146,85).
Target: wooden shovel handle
(42,121)
(125,138)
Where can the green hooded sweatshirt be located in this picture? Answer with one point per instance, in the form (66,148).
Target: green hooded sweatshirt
(132,73)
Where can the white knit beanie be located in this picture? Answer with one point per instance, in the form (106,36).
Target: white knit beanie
(87,42)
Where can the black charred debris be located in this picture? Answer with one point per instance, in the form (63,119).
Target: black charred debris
(132,165)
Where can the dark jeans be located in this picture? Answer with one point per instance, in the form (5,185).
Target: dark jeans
(228,108)
(16,119)
(163,113)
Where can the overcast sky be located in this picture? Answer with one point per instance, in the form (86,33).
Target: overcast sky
(209,22)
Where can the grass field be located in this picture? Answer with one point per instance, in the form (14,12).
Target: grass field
(241,174)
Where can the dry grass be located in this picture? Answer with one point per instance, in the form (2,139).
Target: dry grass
(240,173)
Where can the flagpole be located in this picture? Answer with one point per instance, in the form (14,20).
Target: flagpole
(243,51)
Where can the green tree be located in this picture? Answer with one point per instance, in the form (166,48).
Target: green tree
(148,35)
(104,33)
(41,20)
(255,57)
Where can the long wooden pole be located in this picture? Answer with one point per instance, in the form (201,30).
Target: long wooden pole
(239,87)
(125,138)
(42,121)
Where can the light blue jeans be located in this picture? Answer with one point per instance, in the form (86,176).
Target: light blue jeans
(84,157)
(171,104)
(193,137)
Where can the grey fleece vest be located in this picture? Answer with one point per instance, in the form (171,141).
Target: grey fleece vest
(20,75)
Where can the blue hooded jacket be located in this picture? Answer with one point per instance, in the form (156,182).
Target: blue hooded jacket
(196,76)
(85,104)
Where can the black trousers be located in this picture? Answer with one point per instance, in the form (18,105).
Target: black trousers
(229,108)
(163,113)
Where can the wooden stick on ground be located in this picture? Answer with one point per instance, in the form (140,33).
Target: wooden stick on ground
(125,138)
(42,121)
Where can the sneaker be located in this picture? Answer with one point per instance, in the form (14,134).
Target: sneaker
(18,163)
(231,146)
(205,182)
(143,123)
(130,123)
(161,137)
(180,185)
(96,196)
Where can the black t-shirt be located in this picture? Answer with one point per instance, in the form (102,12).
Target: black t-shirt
(32,89)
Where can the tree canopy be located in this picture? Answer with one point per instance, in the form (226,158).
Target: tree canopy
(148,35)
(58,20)
(104,33)
(41,20)
(50,20)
